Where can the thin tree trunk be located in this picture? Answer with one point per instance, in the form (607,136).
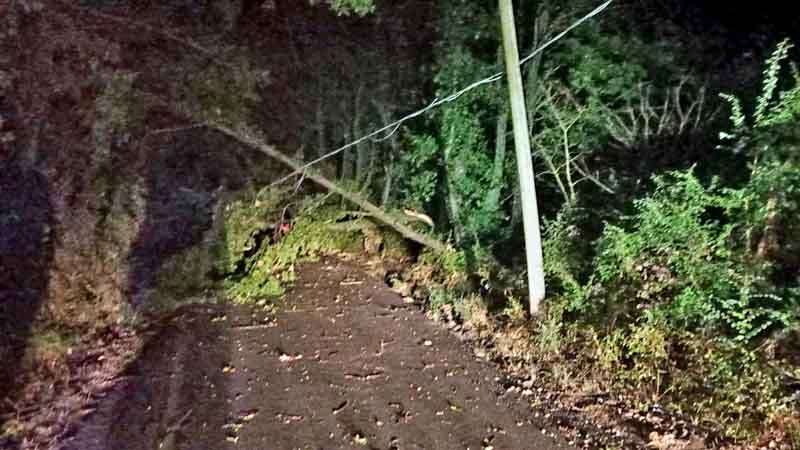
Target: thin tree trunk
(493,197)
(348,160)
(386,197)
(250,139)
(370,172)
(568,167)
(362,149)
(453,171)
(321,141)
(328,169)
(533,74)
(516,207)
(394,151)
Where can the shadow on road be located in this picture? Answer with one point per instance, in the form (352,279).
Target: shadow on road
(26,253)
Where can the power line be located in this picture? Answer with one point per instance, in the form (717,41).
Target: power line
(394,126)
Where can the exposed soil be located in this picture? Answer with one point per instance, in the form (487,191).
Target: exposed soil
(345,364)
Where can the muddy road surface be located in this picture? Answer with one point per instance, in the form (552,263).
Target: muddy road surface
(343,363)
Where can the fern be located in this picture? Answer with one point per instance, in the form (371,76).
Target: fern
(737,113)
(771,78)
(769,111)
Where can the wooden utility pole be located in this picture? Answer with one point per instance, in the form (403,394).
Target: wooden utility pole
(530,210)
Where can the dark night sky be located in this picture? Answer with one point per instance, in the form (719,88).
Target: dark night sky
(738,20)
(726,41)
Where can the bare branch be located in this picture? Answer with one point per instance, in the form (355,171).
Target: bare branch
(593,179)
(678,113)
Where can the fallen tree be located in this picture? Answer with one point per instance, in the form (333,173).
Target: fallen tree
(251,140)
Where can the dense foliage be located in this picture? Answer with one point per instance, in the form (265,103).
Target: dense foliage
(669,240)
(670,245)
(697,289)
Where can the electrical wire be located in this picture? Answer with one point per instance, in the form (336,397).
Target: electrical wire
(395,126)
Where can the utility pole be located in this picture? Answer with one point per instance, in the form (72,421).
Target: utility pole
(530,210)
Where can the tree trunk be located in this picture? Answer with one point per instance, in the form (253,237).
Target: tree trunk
(248,138)
(453,171)
(321,141)
(532,74)
(348,160)
(516,207)
(493,197)
(394,151)
(386,197)
(362,149)
(367,185)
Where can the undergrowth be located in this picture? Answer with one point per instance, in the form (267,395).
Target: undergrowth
(264,244)
(693,301)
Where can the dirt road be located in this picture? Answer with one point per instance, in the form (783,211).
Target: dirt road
(345,363)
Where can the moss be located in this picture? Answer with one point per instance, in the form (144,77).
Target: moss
(89,294)
(10,428)
(120,109)
(394,245)
(259,259)
(187,273)
(271,268)
(451,262)
(793,432)
(447,269)
(242,220)
(47,345)
(224,93)
(255,258)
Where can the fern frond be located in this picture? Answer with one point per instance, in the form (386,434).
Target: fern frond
(771,77)
(737,113)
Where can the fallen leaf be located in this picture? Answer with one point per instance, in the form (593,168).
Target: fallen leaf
(249,417)
(288,358)
(360,440)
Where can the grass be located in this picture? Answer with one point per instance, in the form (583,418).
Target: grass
(48,345)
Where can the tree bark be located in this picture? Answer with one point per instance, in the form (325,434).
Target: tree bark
(251,140)
(321,141)
(393,153)
(453,171)
(386,197)
(493,197)
(362,149)
(533,78)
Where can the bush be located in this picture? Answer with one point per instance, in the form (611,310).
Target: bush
(258,272)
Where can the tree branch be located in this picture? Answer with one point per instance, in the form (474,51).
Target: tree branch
(250,139)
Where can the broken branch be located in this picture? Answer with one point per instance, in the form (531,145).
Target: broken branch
(251,140)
